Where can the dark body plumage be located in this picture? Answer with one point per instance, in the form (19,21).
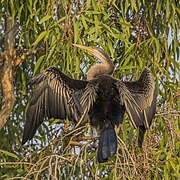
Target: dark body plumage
(103,97)
(105,114)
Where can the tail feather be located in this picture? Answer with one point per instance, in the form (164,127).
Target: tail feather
(107,145)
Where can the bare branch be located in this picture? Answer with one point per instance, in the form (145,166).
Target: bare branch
(7,75)
(25,54)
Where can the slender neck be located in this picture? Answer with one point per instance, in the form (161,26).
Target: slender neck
(107,67)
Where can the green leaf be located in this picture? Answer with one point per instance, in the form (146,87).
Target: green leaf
(77,65)
(19,12)
(13,10)
(59,21)
(175,167)
(126,6)
(9,154)
(30,3)
(130,48)
(38,64)
(158,5)
(110,46)
(84,22)
(44,19)
(107,28)
(40,37)
(127,67)
(114,4)
(51,51)
(125,24)
(167,10)
(166,172)
(76,29)
(140,61)
(133,5)
(93,12)
(94,4)
(88,2)
(54,121)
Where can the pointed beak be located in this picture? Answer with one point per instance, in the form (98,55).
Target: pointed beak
(88,49)
(97,52)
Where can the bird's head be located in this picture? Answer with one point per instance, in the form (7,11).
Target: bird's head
(95,51)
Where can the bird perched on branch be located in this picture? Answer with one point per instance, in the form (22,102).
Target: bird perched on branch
(104,98)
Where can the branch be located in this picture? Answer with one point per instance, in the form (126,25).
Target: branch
(24,54)
(7,75)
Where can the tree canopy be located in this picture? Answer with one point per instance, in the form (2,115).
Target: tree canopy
(135,33)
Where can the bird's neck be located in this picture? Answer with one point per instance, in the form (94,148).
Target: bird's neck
(107,67)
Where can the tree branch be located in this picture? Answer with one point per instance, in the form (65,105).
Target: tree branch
(24,54)
(7,76)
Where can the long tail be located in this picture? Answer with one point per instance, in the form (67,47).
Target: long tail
(107,144)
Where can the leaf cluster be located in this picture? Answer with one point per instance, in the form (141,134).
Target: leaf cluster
(134,33)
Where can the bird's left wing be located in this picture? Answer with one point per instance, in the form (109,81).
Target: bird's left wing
(139,99)
(56,96)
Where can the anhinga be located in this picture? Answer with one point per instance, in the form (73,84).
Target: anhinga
(103,97)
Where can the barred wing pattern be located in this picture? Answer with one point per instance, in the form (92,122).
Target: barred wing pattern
(139,98)
(55,96)
(88,98)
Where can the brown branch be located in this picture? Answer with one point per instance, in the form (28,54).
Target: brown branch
(75,143)
(25,54)
(15,163)
(7,76)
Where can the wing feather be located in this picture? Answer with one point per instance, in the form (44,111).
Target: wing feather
(139,98)
(88,99)
(52,98)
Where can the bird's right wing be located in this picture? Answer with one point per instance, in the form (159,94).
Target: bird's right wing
(55,96)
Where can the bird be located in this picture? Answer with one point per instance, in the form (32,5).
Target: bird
(104,98)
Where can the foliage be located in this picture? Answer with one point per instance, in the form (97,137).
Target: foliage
(134,33)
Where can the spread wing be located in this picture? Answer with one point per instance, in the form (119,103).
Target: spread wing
(139,98)
(56,96)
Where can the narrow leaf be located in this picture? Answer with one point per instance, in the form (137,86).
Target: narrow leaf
(9,154)
(84,22)
(44,19)
(38,64)
(75,32)
(41,36)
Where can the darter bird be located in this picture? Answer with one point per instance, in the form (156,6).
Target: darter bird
(104,98)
